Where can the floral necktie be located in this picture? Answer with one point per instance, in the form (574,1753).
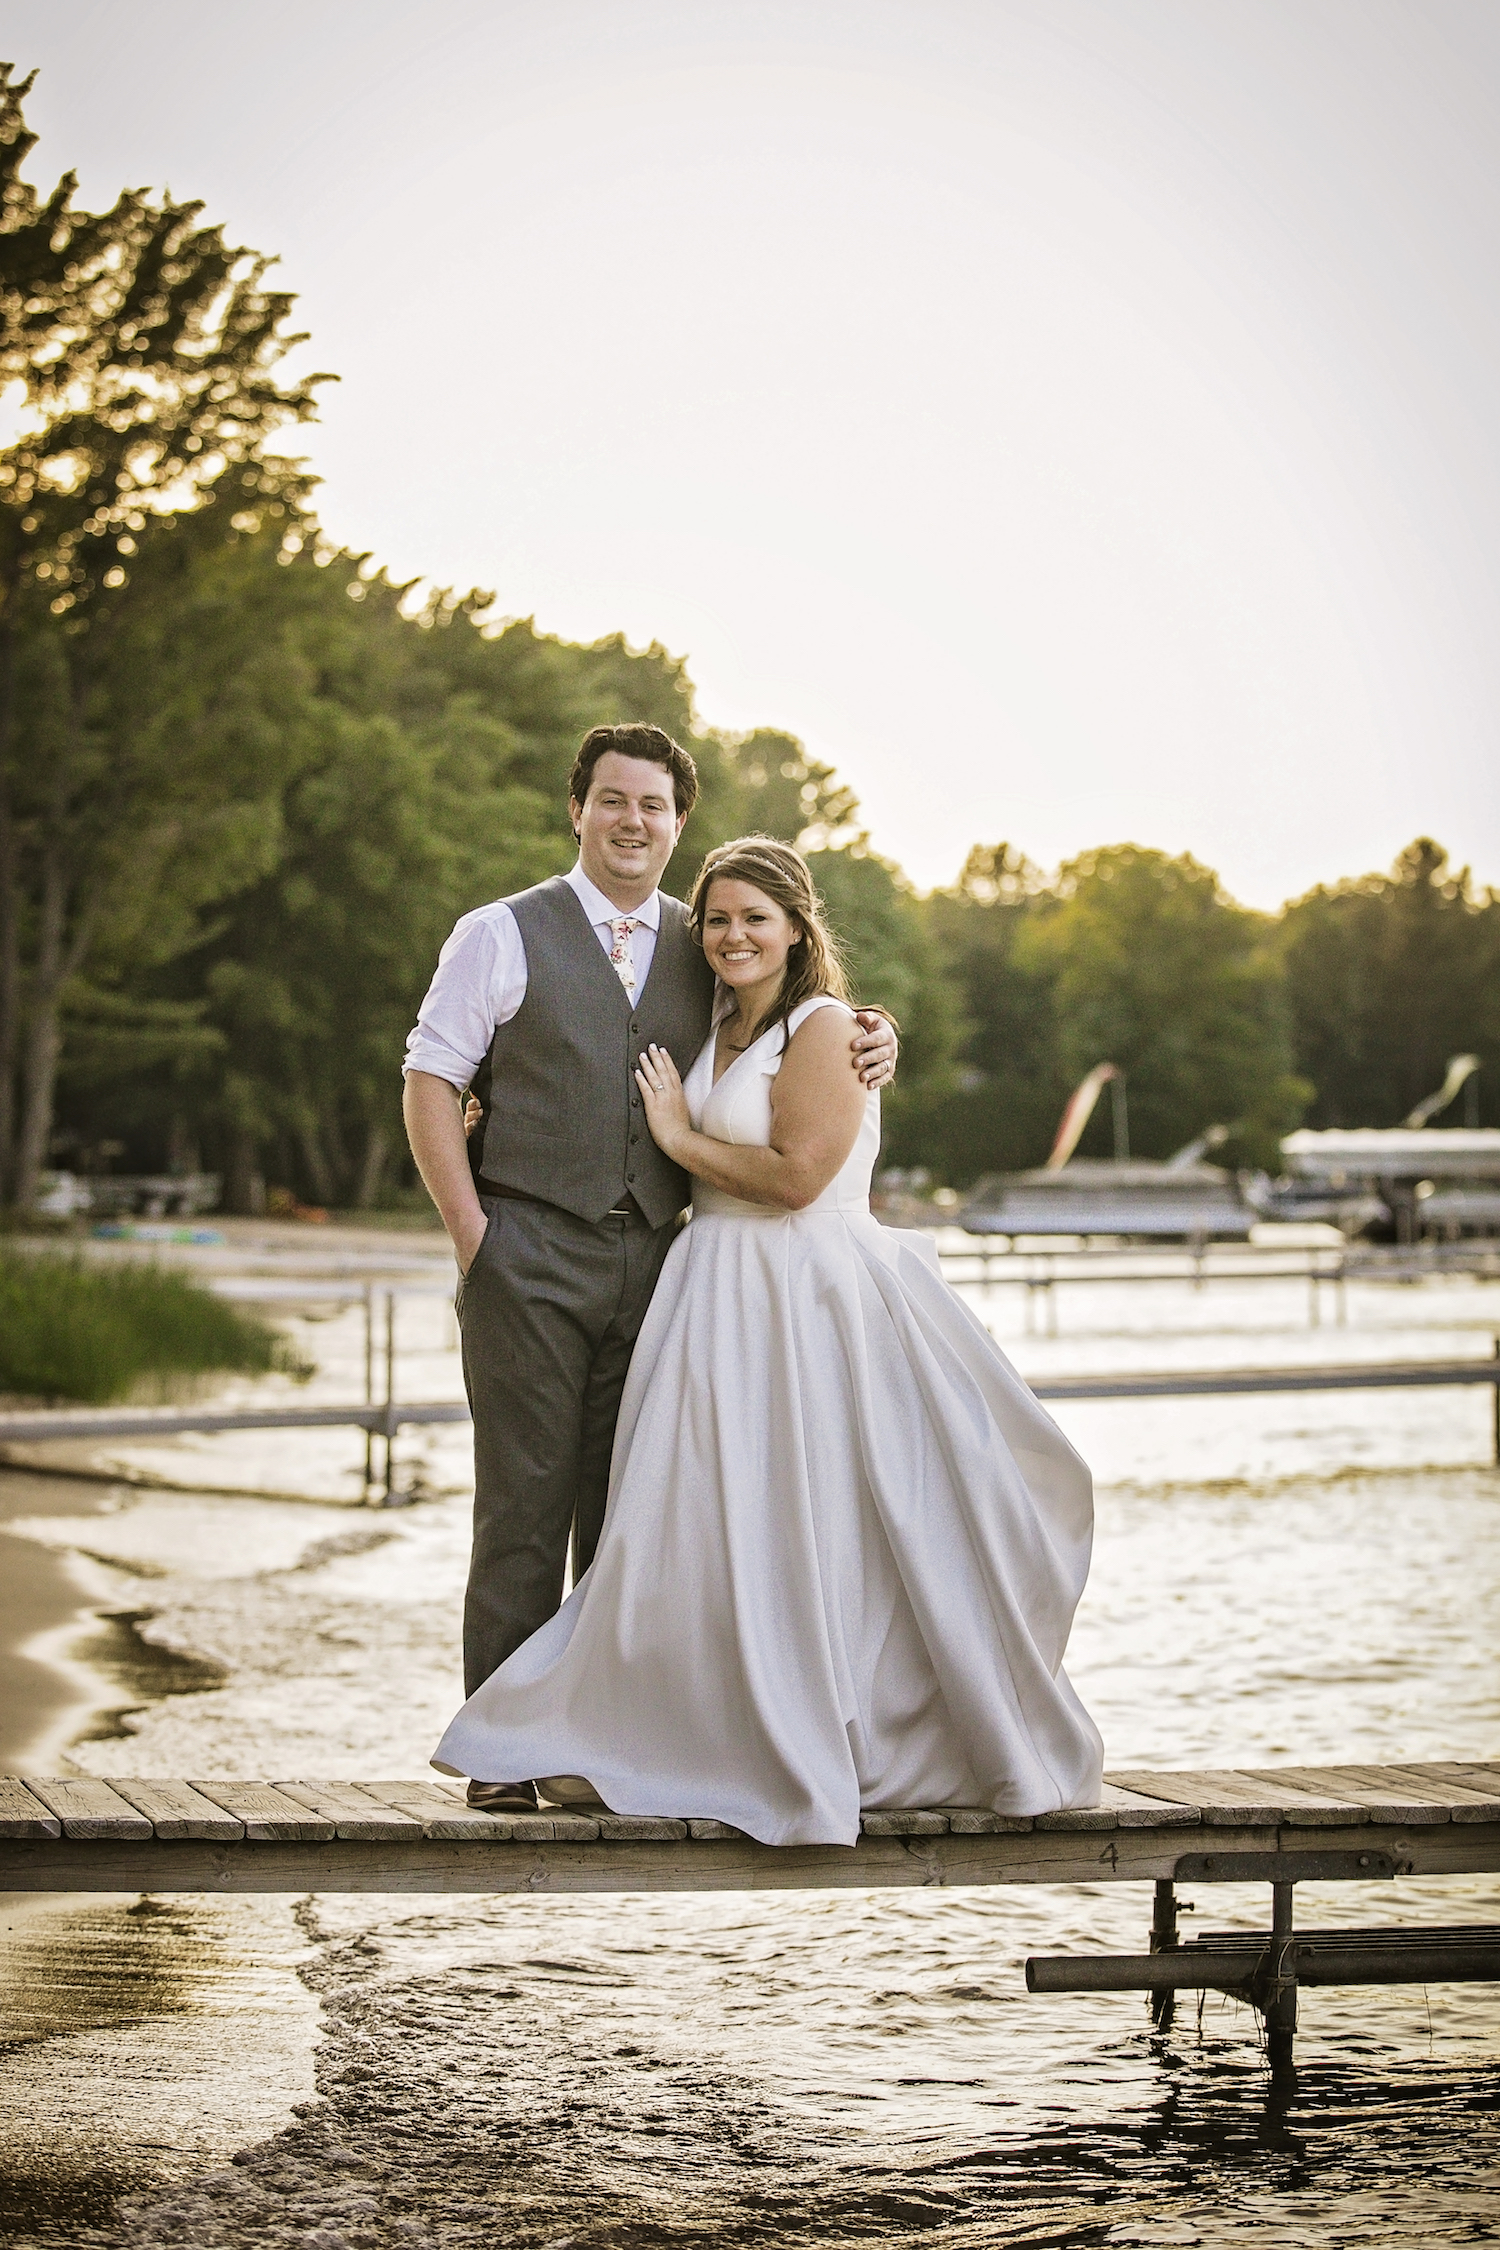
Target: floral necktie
(620,953)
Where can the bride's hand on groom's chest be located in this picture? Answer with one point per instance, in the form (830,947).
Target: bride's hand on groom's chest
(665,1103)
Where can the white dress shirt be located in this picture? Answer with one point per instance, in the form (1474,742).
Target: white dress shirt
(480,980)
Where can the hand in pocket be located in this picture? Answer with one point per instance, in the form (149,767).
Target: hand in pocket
(466,1247)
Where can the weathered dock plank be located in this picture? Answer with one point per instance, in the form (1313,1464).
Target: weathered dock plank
(1122,1807)
(640,1828)
(1227,1798)
(1483,1780)
(356,1816)
(910,1824)
(441,1813)
(22,1814)
(974,1820)
(177,1811)
(554,1827)
(269,1817)
(90,1810)
(1390,1792)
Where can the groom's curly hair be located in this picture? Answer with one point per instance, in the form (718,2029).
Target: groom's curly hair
(635,740)
(816,963)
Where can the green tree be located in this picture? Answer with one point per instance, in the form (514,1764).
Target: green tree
(141,351)
(998,1110)
(761,783)
(1387,976)
(894,962)
(1153,968)
(411,764)
(393,827)
(195,701)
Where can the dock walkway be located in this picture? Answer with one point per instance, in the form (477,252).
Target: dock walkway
(421,1836)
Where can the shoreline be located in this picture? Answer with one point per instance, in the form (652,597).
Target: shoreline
(50,1696)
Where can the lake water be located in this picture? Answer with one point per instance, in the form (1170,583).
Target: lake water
(1294,1578)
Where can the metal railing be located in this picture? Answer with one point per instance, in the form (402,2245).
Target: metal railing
(381,1419)
(1042,1273)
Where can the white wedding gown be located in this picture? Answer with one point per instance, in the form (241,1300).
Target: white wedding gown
(843,1545)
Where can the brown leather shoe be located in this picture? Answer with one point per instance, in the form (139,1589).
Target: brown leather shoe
(502,1796)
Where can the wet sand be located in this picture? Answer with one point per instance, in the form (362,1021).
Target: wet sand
(48,1696)
(147,2041)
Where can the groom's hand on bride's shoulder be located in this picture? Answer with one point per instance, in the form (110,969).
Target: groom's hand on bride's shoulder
(875,1046)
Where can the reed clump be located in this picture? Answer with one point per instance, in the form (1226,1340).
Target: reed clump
(71,1330)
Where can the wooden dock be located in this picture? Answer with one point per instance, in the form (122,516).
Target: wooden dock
(222,1836)
(1300,1824)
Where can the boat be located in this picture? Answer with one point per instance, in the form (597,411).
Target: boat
(1128,1198)
(1181,1200)
(1427,1179)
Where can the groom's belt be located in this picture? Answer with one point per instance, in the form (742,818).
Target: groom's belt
(626,1208)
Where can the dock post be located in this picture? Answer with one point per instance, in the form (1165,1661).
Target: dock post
(390,1397)
(1162,2000)
(1279,2004)
(369,1383)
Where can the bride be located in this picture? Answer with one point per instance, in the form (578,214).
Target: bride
(844,1543)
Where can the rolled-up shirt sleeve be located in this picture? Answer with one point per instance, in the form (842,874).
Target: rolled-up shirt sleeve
(479,983)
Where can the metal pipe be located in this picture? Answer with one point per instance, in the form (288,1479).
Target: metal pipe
(1348,1957)
(166,1421)
(390,1394)
(147,1422)
(1442,1960)
(369,1384)
(1187,1969)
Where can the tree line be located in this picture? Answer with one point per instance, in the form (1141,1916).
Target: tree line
(247,784)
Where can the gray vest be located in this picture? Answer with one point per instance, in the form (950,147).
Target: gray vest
(565,1122)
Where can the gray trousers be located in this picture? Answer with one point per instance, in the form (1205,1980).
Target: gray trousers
(549,1312)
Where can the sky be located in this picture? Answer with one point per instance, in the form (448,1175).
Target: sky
(1075,419)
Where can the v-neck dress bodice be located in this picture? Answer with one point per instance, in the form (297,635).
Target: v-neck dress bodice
(843,1544)
(738,1110)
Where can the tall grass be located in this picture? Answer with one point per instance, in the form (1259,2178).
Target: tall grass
(97,1333)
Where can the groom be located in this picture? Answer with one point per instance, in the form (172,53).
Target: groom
(561,1208)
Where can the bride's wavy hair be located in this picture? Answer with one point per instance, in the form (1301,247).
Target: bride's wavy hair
(816,964)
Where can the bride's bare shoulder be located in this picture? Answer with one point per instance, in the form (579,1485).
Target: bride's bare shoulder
(823,1008)
(819,1034)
